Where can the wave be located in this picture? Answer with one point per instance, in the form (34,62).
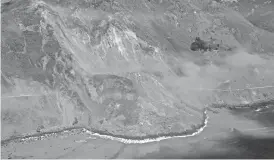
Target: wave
(120,138)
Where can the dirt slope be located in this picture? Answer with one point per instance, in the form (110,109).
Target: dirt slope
(125,67)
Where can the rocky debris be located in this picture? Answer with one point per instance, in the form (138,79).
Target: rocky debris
(201,45)
(75,121)
(39,128)
(98,64)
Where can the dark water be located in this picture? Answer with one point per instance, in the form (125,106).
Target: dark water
(263,115)
(238,144)
(241,146)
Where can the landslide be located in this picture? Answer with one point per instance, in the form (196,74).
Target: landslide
(126,68)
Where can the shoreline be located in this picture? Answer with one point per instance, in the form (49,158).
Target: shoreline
(253,105)
(135,139)
(124,139)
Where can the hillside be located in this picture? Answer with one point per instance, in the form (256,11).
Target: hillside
(125,67)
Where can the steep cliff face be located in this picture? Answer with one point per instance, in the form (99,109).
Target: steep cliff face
(124,68)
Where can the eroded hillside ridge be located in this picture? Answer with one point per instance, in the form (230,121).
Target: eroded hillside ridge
(107,66)
(89,73)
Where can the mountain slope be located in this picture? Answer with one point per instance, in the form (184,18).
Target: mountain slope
(125,68)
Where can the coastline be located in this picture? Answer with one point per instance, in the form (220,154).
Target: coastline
(124,139)
(135,139)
